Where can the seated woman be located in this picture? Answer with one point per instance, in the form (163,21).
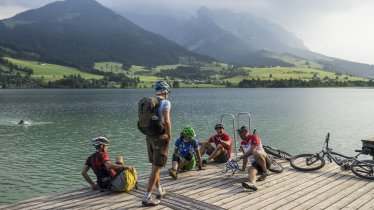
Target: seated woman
(186,146)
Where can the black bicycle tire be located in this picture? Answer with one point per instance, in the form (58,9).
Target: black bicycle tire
(354,170)
(278,169)
(303,156)
(277,153)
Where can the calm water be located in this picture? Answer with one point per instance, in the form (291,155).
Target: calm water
(47,156)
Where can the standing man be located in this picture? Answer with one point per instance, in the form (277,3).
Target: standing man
(158,146)
(221,153)
(256,155)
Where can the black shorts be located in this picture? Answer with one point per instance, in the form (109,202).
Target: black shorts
(258,167)
(221,158)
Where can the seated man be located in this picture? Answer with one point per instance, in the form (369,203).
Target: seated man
(101,165)
(186,146)
(253,152)
(221,153)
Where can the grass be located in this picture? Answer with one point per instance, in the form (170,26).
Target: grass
(51,72)
(109,67)
(304,71)
(288,72)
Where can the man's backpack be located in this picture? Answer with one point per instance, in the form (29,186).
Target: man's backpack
(124,181)
(148,121)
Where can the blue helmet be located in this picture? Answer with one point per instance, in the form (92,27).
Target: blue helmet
(162,87)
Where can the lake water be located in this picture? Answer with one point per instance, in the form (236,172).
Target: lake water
(48,155)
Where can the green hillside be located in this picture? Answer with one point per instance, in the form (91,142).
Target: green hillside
(221,73)
(215,74)
(51,72)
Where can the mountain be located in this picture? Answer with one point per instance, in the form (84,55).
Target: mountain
(241,38)
(226,36)
(82,32)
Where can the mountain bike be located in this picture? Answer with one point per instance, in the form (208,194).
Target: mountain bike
(274,152)
(311,162)
(233,166)
(277,153)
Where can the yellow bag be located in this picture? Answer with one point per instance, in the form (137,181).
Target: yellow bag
(131,179)
(124,181)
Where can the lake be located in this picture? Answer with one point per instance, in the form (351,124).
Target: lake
(47,156)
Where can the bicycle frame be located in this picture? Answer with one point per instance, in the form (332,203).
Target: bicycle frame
(345,162)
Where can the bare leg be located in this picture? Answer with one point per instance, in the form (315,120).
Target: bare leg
(183,163)
(252,172)
(259,157)
(216,152)
(119,159)
(204,147)
(245,162)
(154,178)
(175,165)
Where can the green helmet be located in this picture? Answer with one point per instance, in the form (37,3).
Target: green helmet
(188,132)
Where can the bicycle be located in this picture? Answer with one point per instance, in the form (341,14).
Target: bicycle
(233,166)
(311,162)
(277,153)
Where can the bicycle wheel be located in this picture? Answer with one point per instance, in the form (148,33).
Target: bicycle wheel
(277,153)
(364,169)
(275,167)
(307,162)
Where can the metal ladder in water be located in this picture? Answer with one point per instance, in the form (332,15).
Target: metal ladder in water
(234,125)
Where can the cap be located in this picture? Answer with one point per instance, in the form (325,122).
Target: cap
(219,125)
(242,129)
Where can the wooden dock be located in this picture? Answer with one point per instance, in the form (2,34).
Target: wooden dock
(327,188)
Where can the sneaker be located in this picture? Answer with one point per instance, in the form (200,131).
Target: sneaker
(207,161)
(249,185)
(173,173)
(151,201)
(262,177)
(159,194)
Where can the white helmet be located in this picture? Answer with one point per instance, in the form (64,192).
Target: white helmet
(100,141)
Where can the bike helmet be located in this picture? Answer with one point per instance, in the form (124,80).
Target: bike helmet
(188,132)
(100,141)
(162,87)
(219,125)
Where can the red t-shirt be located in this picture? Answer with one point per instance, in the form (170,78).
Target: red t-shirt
(224,137)
(251,141)
(97,162)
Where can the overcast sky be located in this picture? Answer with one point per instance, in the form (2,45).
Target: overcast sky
(337,28)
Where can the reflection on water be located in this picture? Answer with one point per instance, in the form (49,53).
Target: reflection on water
(48,155)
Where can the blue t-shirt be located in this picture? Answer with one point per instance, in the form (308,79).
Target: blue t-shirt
(185,146)
(164,104)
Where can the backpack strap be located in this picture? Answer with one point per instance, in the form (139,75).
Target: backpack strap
(158,105)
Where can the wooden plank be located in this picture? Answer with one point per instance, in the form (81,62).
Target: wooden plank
(297,195)
(211,189)
(348,187)
(361,201)
(268,186)
(212,193)
(353,196)
(272,189)
(325,192)
(368,205)
(73,200)
(43,199)
(233,189)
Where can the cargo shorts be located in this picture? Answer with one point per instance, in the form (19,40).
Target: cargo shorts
(158,150)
